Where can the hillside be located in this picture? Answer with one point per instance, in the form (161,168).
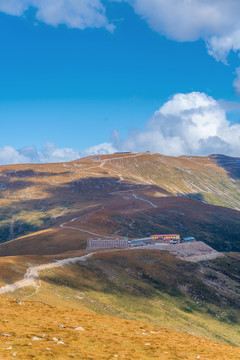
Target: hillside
(115,195)
(49,211)
(37,330)
(155,287)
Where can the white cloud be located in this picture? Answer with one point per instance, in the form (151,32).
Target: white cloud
(49,153)
(220,46)
(105,148)
(9,155)
(78,14)
(30,154)
(191,124)
(13,7)
(236,83)
(217,21)
(187,124)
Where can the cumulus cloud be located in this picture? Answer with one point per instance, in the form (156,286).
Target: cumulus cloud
(187,124)
(192,124)
(49,153)
(13,7)
(220,46)
(216,21)
(9,155)
(105,148)
(78,14)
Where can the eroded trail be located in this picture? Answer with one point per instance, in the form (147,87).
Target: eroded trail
(32,273)
(86,231)
(147,201)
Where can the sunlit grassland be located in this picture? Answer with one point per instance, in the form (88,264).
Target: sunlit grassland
(39,331)
(155,288)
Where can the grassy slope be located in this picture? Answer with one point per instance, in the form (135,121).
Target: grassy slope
(103,337)
(154,287)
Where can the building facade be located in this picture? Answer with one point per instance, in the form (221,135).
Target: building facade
(166,237)
(106,244)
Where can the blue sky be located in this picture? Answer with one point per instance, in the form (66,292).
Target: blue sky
(72,83)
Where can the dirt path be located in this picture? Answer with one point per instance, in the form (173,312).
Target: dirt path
(147,201)
(32,273)
(119,158)
(197,251)
(86,231)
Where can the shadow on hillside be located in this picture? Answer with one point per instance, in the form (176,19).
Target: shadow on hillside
(10,231)
(32,173)
(230,164)
(13,186)
(88,191)
(98,187)
(217,226)
(14,180)
(195,196)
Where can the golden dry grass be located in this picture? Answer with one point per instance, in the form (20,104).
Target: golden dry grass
(103,337)
(150,286)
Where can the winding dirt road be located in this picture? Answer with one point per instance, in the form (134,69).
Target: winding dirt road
(32,273)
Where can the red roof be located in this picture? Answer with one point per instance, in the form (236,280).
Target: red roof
(167,235)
